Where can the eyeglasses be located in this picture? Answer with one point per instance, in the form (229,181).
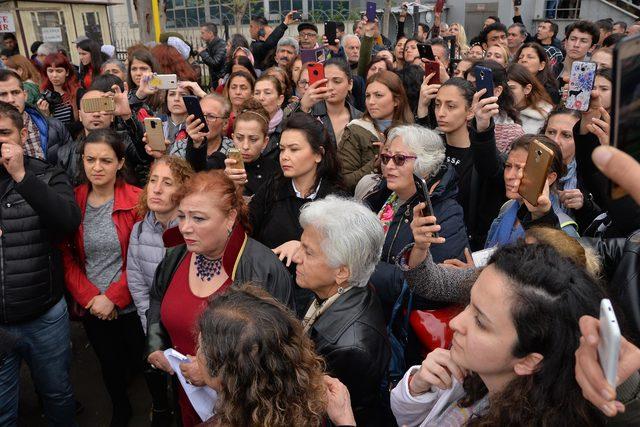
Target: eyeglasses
(398,159)
(308,35)
(303,83)
(210,117)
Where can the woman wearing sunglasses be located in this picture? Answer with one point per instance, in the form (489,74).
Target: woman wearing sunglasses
(412,149)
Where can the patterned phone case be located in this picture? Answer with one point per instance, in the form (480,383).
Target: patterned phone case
(583,75)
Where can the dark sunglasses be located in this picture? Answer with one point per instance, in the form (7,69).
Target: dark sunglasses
(398,159)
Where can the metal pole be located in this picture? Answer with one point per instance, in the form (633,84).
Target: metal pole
(155,12)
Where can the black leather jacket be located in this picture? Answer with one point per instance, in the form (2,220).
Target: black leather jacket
(256,264)
(621,263)
(351,336)
(214,56)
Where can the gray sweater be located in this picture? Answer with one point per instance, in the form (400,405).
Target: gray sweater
(146,250)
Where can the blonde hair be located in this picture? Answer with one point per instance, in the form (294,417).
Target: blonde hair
(461,38)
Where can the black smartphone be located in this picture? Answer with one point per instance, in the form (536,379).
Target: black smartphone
(426,52)
(371,11)
(484,80)
(517,2)
(625,114)
(297,16)
(423,196)
(192,103)
(331,32)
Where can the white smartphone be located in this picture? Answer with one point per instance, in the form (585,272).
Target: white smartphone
(609,346)
(481,258)
(164,81)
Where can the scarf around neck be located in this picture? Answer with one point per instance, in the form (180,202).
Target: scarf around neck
(275,121)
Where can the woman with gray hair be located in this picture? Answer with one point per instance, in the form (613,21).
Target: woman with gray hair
(340,246)
(413,150)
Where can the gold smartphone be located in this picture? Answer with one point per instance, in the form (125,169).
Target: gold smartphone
(95,105)
(535,172)
(236,155)
(155,133)
(164,81)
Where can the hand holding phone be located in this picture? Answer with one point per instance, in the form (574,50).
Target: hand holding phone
(426,52)
(96,105)
(316,72)
(155,133)
(371,11)
(609,345)
(192,104)
(534,176)
(581,80)
(164,81)
(423,194)
(235,154)
(484,80)
(331,32)
(432,67)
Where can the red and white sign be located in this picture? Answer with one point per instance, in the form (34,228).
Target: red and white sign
(6,23)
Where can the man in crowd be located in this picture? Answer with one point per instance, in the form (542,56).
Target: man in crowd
(287,49)
(214,54)
(265,39)
(11,44)
(307,35)
(620,27)
(494,35)
(340,30)
(606,28)
(490,20)
(45,135)
(516,36)
(351,46)
(423,32)
(546,36)
(38,209)
(581,39)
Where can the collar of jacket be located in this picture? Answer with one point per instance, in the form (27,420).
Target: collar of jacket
(125,196)
(41,123)
(232,252)
(342,314)
(320,109)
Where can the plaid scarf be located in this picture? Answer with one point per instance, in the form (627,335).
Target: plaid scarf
(32,146)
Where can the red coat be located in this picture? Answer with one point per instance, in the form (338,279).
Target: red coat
(74,258)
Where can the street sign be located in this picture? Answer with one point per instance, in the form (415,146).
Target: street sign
(6,23)
(51,34)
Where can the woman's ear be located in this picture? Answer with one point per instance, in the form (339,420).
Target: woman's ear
(230,220)
(542,65)
(497,91)
(528,364)
(551,178)
(342,276)
(527,89)
(266,142)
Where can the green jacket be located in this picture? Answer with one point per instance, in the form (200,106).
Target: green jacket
(357,151)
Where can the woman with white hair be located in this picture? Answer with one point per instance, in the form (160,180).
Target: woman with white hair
(413,149)
(340,246)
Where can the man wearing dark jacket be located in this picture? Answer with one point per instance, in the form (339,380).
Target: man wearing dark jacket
(37,208)
(265,39)
(214,54)
(45,135)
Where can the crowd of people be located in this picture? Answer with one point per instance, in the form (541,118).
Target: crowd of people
(285,247)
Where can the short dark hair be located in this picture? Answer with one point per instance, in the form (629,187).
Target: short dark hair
(495,18)
(554,26)
(6,74)
(210,26)
(425,27)
(621,23)
(496,26)
(612,39)
(340,26)
(260,20)
(34,47)
(440,42)
(10,112)
(105,82)
(9,36)
(587,27)
(605,24)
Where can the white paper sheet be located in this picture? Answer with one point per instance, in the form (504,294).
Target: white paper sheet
(203,399)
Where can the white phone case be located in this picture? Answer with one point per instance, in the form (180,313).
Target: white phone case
(583,75)
(609,345)
(164,81)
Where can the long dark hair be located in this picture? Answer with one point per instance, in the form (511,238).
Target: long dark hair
(329,169)
(104,136)
(521,75)
(246,63)
(549,294)
(465,88)
(93,48)
(142,55)
(546,76)
(505,101)
(267,366)
(402,114)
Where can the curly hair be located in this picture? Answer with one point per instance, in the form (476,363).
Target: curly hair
(549,294)
(180,169)
(269,372)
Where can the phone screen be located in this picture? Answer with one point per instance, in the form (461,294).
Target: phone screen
(626,102)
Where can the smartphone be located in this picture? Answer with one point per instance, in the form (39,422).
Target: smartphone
(95,105)
(192,103)
(583,75)
(439,6)
(432,67)
(625,112)
(316,72)
(481,258)
(423,195)
(609,345)
(164,81)
(155,133)
(236,155)
(331,32)
(312,55)
(297,16)
(371,11)
(535,172)
(517,2)
(426,52)
(484,80)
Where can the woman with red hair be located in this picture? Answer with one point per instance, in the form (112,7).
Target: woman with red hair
(59,89)
(170,61)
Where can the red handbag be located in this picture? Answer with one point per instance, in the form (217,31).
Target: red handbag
(432,326)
